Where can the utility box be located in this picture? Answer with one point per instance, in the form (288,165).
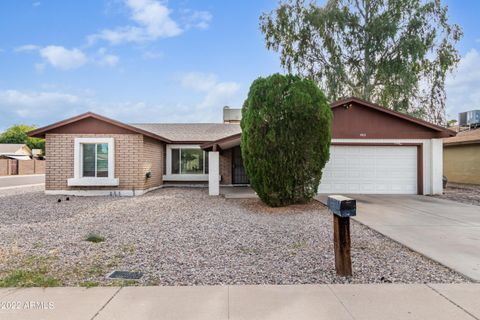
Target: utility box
(469,118)
(342,206)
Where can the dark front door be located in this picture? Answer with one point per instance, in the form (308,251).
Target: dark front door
(239,176)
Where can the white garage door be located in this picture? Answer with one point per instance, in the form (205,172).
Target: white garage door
(370,170)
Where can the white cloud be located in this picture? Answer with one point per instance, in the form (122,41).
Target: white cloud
(62,58)
(34,107)
(199,81)
(463,87)
(216,93)
(27,47)
(105,59)
(153,21)
(66,59)
(197,19)
(53,104)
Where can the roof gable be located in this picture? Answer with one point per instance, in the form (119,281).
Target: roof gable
(92,123)
(354,118)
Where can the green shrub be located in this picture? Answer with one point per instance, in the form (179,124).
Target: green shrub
(286,133)
(94,237)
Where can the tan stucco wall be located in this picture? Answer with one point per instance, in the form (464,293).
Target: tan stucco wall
(461,164)
(129,164)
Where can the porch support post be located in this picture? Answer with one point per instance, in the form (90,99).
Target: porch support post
(214,173)
(436,166)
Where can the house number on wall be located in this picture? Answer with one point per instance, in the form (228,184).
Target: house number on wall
(363,134)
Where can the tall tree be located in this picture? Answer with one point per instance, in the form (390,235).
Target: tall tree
(396,53)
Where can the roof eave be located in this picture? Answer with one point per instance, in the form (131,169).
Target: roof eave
(40,132)
(461,143)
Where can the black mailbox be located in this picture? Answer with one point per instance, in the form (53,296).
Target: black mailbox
(342,206)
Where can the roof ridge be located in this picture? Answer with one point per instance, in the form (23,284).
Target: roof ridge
(182,123)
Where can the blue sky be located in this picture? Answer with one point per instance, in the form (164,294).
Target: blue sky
(156,61)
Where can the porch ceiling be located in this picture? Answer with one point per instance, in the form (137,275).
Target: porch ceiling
(224,143)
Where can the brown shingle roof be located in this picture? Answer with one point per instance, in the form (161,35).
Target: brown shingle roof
(464,137)
(191,132)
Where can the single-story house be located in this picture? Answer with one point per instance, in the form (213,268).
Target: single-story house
(374,150)
(15,151)
(461,157)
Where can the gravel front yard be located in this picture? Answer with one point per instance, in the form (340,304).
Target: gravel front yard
(184,237)
(464,193)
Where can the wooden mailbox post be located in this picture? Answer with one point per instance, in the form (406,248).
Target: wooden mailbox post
(343,208)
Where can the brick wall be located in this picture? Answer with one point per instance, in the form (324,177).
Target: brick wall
(128,161)
(153,159)
(226,166)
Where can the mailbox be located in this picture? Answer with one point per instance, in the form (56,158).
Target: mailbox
(342,206)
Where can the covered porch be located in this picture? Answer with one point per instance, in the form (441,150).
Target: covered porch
(225,160)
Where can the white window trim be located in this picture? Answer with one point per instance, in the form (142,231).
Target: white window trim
(78,180)
(169,176)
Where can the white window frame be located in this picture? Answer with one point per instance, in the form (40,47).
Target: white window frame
(169,176)
(78,179)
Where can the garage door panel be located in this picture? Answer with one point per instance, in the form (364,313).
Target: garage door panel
(371,169)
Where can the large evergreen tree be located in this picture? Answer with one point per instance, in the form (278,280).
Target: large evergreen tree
(396,53)
(286,133)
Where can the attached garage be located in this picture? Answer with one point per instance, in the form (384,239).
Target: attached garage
(379,151)
(374,150)
(371,170)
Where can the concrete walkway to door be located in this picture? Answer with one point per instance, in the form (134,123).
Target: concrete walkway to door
(445,231)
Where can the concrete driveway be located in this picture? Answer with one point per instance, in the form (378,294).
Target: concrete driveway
(445,231)
(15,181)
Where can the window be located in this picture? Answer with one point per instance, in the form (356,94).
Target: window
(95,160)
(189,161)
(186,163)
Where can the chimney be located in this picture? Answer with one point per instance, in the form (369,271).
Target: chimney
(231,115)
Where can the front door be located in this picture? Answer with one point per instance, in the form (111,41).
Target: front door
(239,176)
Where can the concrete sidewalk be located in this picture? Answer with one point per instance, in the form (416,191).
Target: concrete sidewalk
(329,302)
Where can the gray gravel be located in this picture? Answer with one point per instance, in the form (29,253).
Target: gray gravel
(464,193)
(184,237)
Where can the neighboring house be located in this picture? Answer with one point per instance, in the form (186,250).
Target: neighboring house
(15,151)
(374,150)
(461,157)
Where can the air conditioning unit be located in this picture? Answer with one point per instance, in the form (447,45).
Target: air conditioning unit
(469,118)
